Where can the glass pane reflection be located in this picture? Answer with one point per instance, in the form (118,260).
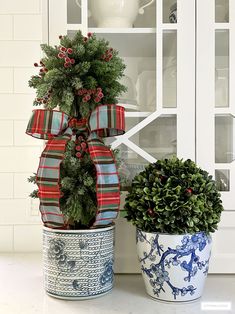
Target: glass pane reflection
(222,179)
(129,164)
(222,68)
(169,8)
(169,69)
(221,11)
(73,12)
(158,138)
(224,131)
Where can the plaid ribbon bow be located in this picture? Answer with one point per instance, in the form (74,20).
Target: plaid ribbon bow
(56,127)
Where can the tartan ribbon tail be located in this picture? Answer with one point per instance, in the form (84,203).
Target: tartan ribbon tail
(105,121)
(50,125)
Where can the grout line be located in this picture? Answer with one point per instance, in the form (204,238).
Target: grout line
(13,238)
(40,7)
(21,146)
(33,40)
(13,13)
(21,224)
(17,67)
(13,128)
(13,83)
(195,69)
(13,26)
(48,21)
(13,187)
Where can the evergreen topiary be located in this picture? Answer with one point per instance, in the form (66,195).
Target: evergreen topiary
(77,76)
(174,196)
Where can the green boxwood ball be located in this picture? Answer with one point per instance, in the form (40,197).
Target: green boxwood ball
(174,196)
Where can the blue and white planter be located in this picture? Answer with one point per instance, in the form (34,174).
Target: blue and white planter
(78,264)
(174,267)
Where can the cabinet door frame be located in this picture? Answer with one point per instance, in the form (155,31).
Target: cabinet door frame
(222,253)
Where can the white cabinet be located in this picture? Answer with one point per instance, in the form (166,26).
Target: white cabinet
(215,110)
(178,98)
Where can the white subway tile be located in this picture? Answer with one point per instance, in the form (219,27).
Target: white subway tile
(22,139)
(22,188)
(28,27)
(34,210)
(16,106)
(6,132)
(6,79)
(6,238)
(27,238)
(21,79)
(19,53)
(6,27)
(6,183)
(19,159)
(14,211)
(19,6)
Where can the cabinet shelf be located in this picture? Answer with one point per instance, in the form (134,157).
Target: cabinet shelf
(122,30)
(132,114)
(97,30)
(169,26)
(74,27)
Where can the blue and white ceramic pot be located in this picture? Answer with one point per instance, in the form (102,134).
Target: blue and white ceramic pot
(78,264)
(174,267)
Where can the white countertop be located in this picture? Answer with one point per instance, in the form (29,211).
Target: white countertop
(21,292)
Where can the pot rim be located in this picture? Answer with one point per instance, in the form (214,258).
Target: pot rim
(173,234)
(79,231)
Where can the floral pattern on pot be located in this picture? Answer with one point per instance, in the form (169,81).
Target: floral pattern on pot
(78,265)
(174,267)
(107,276)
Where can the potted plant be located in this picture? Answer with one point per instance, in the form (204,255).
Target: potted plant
(175,206)
(77,178)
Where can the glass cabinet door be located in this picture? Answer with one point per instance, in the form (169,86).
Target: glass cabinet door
(215,94)
(216,115)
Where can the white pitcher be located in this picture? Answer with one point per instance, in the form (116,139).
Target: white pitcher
(115,13)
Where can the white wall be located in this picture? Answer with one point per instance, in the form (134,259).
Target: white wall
(20,38)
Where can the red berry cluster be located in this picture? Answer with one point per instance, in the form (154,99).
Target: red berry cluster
(151,212)
(107,56)
(64,54)
(85,39)
(43,69)
(87,94)
(163,179)
(82,147)
(189,191)
(45,98)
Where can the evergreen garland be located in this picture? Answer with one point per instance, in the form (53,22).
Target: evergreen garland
(77,76)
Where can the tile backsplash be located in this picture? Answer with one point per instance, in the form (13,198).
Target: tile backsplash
(20,38)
